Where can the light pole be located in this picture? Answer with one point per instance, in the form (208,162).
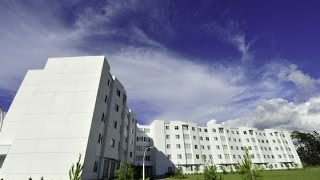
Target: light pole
(144,155)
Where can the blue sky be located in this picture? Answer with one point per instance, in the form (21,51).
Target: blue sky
(229,61)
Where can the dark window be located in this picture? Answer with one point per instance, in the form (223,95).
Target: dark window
(108,82)
(102,118)
(118,92)
(100,138)
(115,124)
(95,167)
(105,98)
(117,107)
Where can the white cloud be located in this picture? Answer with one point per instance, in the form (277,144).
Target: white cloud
(160,84)
(175,87)
(282,114)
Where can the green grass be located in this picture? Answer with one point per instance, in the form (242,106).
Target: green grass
(307,174)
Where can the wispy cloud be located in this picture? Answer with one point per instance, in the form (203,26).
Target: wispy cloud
(230,31)
(160,83)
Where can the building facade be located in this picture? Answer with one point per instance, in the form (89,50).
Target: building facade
(75,106)
(191,147)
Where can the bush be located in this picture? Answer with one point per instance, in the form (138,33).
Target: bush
(75,173)
(247,169)
(210,173)
(178,173)
(125,171)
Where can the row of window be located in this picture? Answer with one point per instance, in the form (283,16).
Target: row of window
(227,156)
(221,130)
(145,139)
(140,158)
(223,138)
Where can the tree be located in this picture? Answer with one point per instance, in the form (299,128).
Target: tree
(210,172)
(247,169)
(308,147)
(125,171)
(75,173)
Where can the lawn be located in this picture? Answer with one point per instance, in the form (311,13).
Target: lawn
(307,174)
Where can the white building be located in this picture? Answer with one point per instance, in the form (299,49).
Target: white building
(189,146)
(75,106)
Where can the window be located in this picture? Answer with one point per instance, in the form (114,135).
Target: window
(186,136)
(202,146)
(213,130)
(185,127)
(115,123)
(178,146)
(227,156)
(219,156)
(95,167)
(217,147)
(167,127)
(207,138)
(209,147)
(147,158)
(271,134)
(169,156)
(197,156)
(112,143)
(231,147)
(188,156)
(118,92)
(201,138)
(204,157)
(220,130)
(176,127)
(247,139)
(100,138)
(105,98)
(216,138)
(196,146)
(168,146)
(237,132)
(223,138)
(253,140)
(177,137)
(167,136)
(194,137)
(205,130)
(210,156)
(234,156)
(179,156)
(224,147)
(108,82)
(187,146)
(199,129)
(130,154)
(102,118)
(193,129)
(244,132)
(116,107)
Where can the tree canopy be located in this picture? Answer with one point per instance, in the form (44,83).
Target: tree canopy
(308,147)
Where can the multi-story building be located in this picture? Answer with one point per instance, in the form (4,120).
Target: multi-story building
(191,147)
(75,106)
